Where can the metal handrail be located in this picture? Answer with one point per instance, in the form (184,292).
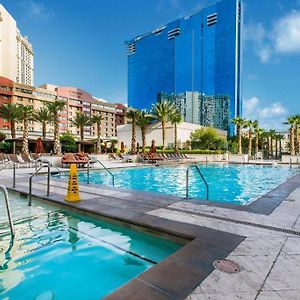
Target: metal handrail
(187,181)
(48,181)
(14,171)
(11,224)
(88,171)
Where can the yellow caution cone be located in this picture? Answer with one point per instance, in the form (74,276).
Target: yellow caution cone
(73,187)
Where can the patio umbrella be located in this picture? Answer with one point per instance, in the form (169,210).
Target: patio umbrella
(153,148)
(122,147)
(39,146)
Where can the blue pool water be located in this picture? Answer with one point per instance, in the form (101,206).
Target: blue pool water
(62,255)
(239,184)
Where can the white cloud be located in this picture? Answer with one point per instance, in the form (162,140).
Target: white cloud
(283,38)
(166,5)
(270,117)
(287,33)
(37,11)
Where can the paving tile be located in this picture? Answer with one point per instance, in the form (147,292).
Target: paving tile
(137,290)
(292,246)
(269,295)
(231,296)
(174,277)
(285,274)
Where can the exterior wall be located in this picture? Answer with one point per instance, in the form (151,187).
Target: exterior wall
(16,54)
(199,53)
(154,132)
(76,100)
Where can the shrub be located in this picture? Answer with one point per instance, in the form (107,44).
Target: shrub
(5,147)
(2,136)
(68,143)
(195,151)
(207,138)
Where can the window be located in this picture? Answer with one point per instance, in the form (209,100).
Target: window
(212,19)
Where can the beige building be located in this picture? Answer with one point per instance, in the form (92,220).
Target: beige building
(154,132)
(16,54)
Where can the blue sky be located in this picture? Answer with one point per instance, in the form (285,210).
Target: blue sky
(81,43)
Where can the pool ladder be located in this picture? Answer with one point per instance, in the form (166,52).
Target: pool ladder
(187,181)
(6,198)
(109,172)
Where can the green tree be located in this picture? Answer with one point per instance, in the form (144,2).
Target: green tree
(13,114)
(175,119)
(272,135)
(144,119)
(250,125)
(163,111)
(258,134)
(206,139)
(43,116)
(68,142)
(26,115)
(240,123)
(133,116)
(96,119)
(81,120)
(292,122)
(55,108)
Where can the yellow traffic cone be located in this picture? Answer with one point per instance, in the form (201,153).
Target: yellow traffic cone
(73,187)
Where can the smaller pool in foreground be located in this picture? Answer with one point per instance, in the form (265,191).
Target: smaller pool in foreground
(238,184)
(61,255)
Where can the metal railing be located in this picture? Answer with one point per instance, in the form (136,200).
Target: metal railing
(88,171)
(6,198)
(34,174)
(14,170)
(187,181)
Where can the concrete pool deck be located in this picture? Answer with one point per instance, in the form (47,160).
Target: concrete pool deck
(266,246)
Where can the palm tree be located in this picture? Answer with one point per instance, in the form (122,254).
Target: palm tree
(43,116)
(81,120)
(96,119)
(240,123)
(13,114)
(297,134)
(133,115)
(258,134)
(292,121)
(163,110)
(27,114)
(250,125)
(143,120)
(175,119)
(272,134)
(54,108)
(279,139)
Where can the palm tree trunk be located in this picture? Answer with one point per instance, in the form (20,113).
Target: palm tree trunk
(25,137)
(175,137)
(143,129)
(240,139)
(13,129)
(44,130)
(250,144)
(256,144)
(98,150)
(133,137)
(292,141)
(81,133)
(163,124)
(57,148)
(276,148)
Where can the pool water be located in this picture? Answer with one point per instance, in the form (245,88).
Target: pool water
(239,184)
(62,255)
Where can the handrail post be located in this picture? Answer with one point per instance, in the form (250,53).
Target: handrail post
(187,184)
(30,191)
(48,181)
(11,224)
(14,175)
(113,177)
(88,172)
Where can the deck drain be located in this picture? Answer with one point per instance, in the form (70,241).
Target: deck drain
(226,265)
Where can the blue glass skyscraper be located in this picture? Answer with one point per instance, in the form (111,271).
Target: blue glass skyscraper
(201,52)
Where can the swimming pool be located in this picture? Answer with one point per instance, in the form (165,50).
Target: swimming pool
(62,255)
(239,184)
